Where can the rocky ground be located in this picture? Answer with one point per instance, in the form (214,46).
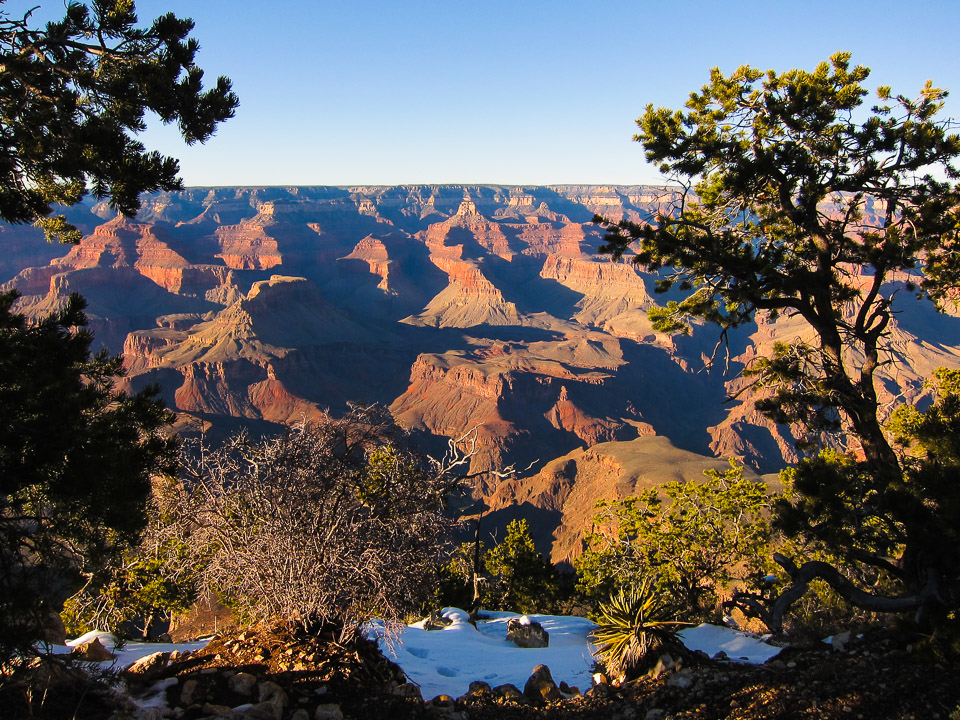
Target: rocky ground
(275,676)
(268,675)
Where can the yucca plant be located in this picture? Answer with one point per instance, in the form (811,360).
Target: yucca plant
(632,628)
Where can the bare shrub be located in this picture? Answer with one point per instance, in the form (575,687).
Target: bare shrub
(330,523)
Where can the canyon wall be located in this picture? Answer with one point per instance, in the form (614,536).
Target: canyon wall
(456,306)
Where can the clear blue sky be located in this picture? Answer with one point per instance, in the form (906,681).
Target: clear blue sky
(337,92)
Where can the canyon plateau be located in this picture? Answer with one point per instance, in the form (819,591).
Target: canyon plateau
(456,307)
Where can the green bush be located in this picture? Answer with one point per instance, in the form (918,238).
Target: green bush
(695,539)
(521,579)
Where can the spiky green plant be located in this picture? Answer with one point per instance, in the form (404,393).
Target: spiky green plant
(632,627)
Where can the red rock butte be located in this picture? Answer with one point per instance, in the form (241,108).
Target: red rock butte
(456,306)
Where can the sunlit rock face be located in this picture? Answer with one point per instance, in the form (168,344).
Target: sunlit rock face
(460,307)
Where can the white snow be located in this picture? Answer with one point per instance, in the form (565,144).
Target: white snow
(739,646)
(446,661)
(129,653)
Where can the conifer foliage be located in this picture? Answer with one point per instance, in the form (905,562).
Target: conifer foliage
(798,200)
(74,94)
(76,457)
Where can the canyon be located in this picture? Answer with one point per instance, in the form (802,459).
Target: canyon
(461,308)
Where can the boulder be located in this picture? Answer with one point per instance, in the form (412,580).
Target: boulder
(479,687)
(436,621)
(527,633)
(188,693)
(242,683)
(664,664)
(408,690)
(52,630)
(540,687)
(510,693)
(149,666)
(328,711)
(443,701)
(93,651)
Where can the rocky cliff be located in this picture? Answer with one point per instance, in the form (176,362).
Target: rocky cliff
(458,306)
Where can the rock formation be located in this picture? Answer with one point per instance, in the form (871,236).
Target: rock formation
(458,306)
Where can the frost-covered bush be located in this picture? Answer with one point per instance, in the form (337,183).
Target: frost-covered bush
(329,523)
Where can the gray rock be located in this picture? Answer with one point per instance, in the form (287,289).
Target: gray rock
(93,651)
(479,687)
(540,688)
(509,692)
(408,690)
(269,691)
(188,693)
(329,711)
(839,641)
(530,635)
(300,714)
(664,664)
(242,683)
(682,679)
(218,711)
(263,711)
(436,621)
(149,666)
(655,714)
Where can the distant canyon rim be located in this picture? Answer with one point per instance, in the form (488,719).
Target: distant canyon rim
(455,306)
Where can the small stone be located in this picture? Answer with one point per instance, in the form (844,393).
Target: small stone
(149,665)
(479,687)
(527,635)
(329,711)
(93,651)
(655,714)
(509,692)
(242,683)
(682,679)
(300,714)
(408,690)
(188,692)
(442,701)
(540,687)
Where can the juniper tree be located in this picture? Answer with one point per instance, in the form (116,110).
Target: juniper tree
(798,200)
(76,457)
(73,96)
